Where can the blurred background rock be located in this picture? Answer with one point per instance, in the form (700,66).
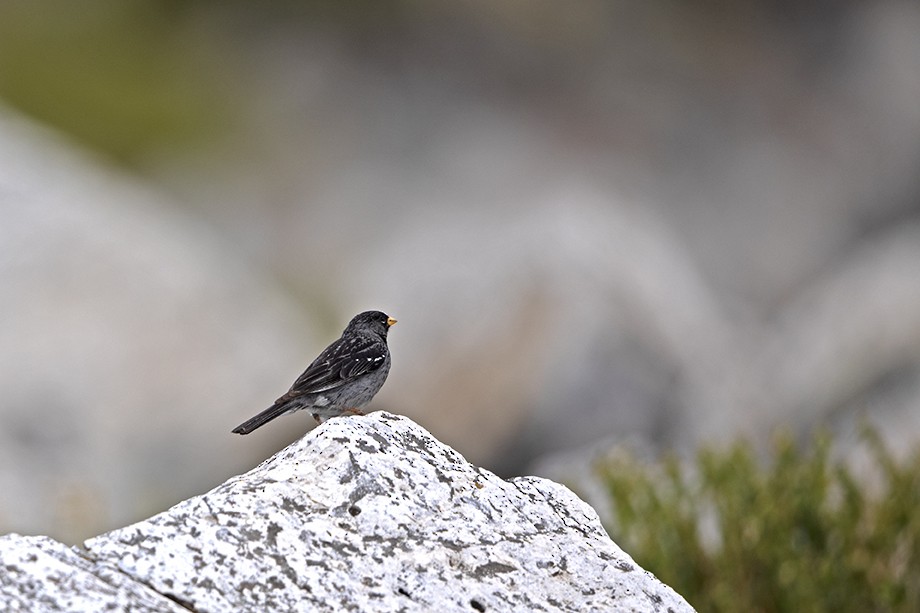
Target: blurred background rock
(663,222)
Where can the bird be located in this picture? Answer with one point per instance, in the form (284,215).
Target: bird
(342,379)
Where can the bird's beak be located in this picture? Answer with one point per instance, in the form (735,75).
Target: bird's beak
(390,321)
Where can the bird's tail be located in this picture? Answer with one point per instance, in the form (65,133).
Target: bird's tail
(276,410)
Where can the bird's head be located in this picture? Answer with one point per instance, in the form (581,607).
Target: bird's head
(374,321)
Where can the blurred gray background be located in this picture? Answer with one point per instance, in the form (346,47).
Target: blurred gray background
(597,222)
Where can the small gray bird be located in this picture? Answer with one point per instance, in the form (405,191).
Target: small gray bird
(344,377)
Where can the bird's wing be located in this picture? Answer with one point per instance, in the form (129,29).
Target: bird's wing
(342,362)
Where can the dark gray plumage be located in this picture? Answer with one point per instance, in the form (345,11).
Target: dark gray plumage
(342,379)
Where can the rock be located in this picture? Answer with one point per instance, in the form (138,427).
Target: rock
(41,574)
(362,514)
(134,340)
(593,308)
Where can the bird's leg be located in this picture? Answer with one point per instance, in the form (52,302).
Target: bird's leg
(317,418)
(353,411)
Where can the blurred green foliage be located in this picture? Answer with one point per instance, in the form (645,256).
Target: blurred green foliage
(126,78)
(797,533)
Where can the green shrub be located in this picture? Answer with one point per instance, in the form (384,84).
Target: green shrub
(797,533)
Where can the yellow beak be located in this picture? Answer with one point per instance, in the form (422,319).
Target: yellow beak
(390,321)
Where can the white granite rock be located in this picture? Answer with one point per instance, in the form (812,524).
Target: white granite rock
(362,514)
(41,574)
